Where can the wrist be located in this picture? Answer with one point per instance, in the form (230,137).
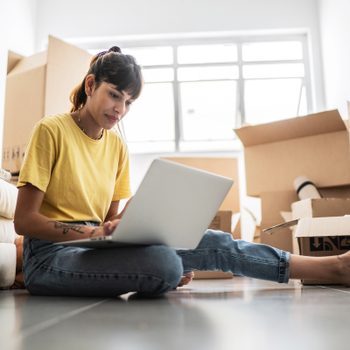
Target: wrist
(96,231)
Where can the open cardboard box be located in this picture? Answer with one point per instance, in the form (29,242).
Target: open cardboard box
(272,204)
(323,237)
(320,207)
(316,146)
(335,202)
(37,86)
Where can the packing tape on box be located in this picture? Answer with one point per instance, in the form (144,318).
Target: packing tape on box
(7,265)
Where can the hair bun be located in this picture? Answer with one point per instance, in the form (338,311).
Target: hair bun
(115,49)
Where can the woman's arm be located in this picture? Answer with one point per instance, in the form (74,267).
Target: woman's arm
(29,222)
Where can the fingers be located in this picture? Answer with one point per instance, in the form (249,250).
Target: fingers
(109,226)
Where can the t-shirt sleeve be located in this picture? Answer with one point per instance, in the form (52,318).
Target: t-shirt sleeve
(39,159)
(122,184)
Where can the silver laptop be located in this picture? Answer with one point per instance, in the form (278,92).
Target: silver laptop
(173,205)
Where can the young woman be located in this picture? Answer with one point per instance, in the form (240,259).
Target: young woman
(76,171)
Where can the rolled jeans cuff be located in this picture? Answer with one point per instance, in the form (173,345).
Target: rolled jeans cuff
(283,271)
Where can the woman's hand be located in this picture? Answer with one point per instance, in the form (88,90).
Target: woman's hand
(109,226)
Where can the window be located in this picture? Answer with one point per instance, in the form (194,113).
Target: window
(196,93)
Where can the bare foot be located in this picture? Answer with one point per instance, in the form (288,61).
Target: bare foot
(186,278)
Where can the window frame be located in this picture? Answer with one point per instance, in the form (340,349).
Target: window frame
(206,39)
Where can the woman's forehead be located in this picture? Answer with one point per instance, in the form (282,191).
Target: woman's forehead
(125,93)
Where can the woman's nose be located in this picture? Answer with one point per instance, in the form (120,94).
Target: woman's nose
(120,108)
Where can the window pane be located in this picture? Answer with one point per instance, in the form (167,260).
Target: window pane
(152,75)
(151,117)
(207,73)
(207,53)
(273,70)
(269,51)
(208,110)
(148,56)
(271,100)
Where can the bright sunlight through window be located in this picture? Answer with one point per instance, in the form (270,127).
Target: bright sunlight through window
(195,94)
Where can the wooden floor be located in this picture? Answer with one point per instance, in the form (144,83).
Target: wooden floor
(238,313)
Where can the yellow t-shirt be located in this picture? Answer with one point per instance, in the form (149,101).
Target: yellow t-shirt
(80,176)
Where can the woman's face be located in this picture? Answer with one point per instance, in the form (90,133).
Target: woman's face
(106,104)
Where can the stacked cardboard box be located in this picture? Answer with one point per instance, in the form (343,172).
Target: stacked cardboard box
(37,86)
(316,146)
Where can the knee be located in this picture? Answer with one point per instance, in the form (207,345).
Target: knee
(215,239)
(168,268)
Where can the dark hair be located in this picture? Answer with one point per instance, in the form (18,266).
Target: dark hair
(112,67)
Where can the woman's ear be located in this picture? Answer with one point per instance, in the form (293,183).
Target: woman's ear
(89,84)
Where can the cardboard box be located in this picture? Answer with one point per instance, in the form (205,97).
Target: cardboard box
(37,86)
(272,204)
(316,145)
(222,221)
(320,207)
(323,237)
(333,203)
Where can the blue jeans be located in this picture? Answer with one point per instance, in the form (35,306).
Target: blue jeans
(149,270)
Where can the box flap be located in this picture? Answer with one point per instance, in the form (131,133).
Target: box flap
(335,192)
(323,158)
(313,124)
(321,207)
(323,227)
(66,68)
(29,63)
(12,59)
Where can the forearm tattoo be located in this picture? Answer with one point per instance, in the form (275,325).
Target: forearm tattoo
(66,227)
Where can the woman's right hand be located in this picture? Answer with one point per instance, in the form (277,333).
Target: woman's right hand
(109,226)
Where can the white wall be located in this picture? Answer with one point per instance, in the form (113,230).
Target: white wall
(72,19)
(17,24)
(335,32)
(111,18)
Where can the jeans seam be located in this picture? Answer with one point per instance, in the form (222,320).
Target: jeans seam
(101,275)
